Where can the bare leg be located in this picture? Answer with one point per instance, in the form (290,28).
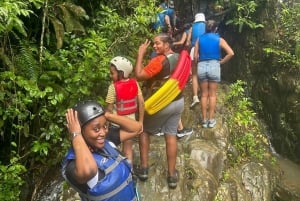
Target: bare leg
(212,91)
(180,125)
(144,144)
(171,151)
(195,84)
(127,150)
(204,99)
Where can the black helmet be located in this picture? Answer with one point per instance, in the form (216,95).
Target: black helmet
(88,110)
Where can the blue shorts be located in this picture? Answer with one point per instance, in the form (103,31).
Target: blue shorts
(209,70)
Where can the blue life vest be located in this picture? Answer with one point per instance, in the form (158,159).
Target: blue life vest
(198,29)
(160,20)
(117,185)
(209,47)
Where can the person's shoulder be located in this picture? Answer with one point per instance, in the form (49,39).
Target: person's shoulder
(159,57)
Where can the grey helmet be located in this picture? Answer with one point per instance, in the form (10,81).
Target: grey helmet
(122,64)
(88,110)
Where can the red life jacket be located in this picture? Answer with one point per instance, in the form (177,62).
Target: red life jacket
(126,96)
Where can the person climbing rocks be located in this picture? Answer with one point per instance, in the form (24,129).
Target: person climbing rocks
(124,96)
(166,120)
(197,29)
(208,57)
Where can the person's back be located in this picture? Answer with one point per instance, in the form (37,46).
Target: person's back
(209,46)
(198,28)
(162,21)
(124,96)
(181,38)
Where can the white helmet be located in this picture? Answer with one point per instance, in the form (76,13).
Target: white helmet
(199,17)
(122,64)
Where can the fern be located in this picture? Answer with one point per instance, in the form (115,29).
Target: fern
(26,62)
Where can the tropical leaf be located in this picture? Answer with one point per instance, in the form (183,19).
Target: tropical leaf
(59,31)
(71,17)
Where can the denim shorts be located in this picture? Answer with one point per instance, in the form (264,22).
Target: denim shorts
(209,70)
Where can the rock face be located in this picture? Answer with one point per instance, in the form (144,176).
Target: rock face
(202,163)
(204,170)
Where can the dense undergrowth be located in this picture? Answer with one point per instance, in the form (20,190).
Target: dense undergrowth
(54,53)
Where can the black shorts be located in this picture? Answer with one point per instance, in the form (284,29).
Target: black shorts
(113,134)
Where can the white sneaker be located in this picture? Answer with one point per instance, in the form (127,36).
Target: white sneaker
(212,123)
(184,132)
(204,123)
(195,101)
(159,134)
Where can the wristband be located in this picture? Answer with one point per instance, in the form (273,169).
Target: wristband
(73,135)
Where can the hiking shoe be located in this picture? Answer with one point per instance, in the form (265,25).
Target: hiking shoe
(141,173)
(195,101)
(204,124)
(184,132)
(172,180)
(212,123)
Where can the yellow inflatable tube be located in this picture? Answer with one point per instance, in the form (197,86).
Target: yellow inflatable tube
(171,89)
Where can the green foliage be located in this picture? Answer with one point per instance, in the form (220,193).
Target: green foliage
(36,88)
(285,48)
(125,33)
(11,180)
(244,14)
(10,16)
(245,132)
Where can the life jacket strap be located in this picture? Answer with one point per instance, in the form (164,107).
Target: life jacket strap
(112,193)
(114,165)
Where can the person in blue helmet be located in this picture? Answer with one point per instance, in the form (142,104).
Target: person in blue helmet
(93,166)
(197,29)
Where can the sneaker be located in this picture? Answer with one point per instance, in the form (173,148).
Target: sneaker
(184,132)
(212,123)
(172,180)
(195,101)
(204,124)
(141,173)
(159,134)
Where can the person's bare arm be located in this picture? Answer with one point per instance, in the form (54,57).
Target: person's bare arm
(196,52)
(129,128)
(139,72)
(182,40)
(229,52)
(110,107)
(85,165)
(141,108)
(189,36)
